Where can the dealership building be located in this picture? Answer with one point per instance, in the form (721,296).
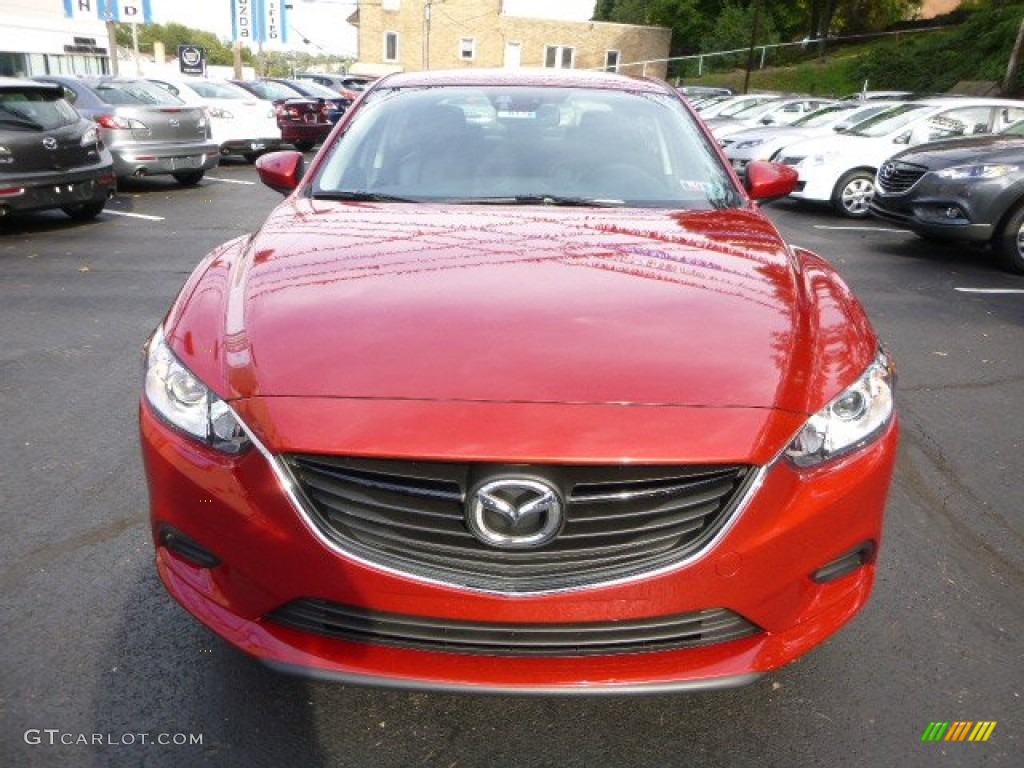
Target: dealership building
(52,37)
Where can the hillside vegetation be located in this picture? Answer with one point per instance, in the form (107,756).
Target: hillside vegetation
(930,62)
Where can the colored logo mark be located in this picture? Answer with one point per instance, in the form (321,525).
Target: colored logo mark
(959,730)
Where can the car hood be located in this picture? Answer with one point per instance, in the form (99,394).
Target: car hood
(975,149)
(520,304)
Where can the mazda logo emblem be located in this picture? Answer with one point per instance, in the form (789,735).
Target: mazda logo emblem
(515,513)
(50,143)
(888,169)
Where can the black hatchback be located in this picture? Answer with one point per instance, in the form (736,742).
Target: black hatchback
(50,156)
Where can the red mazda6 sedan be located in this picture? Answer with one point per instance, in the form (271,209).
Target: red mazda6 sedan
(536,403)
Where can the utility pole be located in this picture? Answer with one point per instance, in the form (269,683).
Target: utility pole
(1013,68)
(758,9)
(426,33)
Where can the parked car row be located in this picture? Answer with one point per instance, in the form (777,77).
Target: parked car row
(947,168)
(65,140)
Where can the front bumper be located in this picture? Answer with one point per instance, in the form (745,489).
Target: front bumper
(815,183)
(946,210)
(266,556)
(49,189)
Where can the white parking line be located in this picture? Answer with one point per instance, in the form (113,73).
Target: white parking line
(231,181)
(990,290)
(860,229)
(145,216)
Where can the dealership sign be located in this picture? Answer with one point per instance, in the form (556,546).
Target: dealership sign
(132,11)
(192,60)
(259,21)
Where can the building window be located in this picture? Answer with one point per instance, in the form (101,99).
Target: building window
(611,61)
(467,48)
(559,56)
(390,46)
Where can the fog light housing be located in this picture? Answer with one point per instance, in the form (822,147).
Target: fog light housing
(846,563)
(186,548)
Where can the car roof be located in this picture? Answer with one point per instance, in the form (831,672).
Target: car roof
(958,101)
(522,77)
(20,83)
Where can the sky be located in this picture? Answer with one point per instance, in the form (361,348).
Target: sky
(322,22)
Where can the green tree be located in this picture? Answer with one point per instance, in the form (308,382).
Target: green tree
(172,35)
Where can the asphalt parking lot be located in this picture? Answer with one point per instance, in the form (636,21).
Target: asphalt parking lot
(93,647)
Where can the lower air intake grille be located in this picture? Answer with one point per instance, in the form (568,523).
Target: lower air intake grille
(684,630)
(620,521)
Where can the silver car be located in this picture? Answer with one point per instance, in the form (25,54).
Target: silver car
(148,130)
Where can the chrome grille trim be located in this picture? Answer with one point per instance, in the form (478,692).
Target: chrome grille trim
(896,177)
(669,515)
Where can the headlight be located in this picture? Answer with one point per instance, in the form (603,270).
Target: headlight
(979,172)
(853,419)
(749,143)
(186,403)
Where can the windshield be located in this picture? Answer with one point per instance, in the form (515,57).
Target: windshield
(822,117)
(735,109)
(889,120)
(534,145)
(34,109)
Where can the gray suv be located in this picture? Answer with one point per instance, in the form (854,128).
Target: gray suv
(969,189)
(50,156)
(148,130)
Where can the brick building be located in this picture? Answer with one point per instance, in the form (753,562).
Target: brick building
(403,35)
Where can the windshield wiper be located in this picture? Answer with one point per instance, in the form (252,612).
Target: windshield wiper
(359,196)
(559,200)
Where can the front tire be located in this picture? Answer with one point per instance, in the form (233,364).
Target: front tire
(1008,243)
(189,179)
(853,194)
(84,211)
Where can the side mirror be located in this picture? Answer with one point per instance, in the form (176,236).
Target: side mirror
(281,171)
(903,138)
(769,181)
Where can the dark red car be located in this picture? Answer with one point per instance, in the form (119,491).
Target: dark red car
(541,404)
(304,121)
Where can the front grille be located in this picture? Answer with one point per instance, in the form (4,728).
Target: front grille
(620,520)
(895,178)
(659,633)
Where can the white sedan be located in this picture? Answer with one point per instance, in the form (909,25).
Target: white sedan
(240,123)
